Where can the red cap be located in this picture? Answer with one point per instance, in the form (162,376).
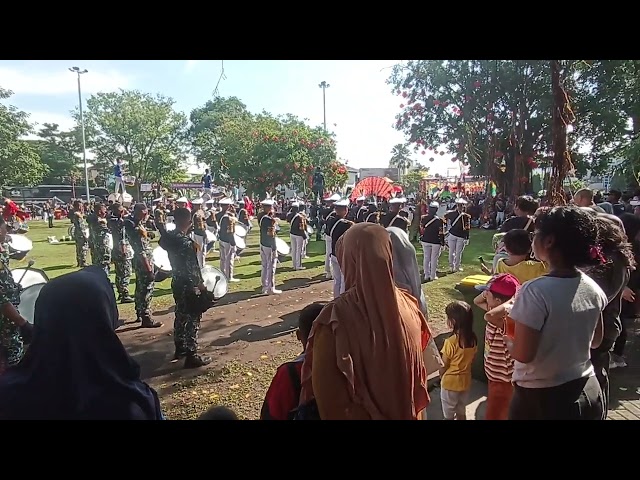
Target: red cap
(504,284)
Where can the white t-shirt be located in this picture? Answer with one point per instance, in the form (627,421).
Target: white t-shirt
(566,312)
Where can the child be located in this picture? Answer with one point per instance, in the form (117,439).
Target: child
(495,298)
(517,258)
(284,392)
(457,354)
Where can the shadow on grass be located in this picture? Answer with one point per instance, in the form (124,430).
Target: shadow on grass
(53,268)
(256,333)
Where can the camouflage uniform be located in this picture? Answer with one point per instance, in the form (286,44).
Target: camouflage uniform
(120,261)
(11,344)
(140,240)
(101,254)
(82,246)
(186,277)
(92,224)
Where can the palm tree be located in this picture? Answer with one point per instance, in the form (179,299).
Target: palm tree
(400,159)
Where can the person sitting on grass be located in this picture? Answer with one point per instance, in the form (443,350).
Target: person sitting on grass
(518,262)
(495,299)
(284,392)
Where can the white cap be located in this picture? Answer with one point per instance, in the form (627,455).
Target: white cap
(434,205)
(295,204)
(158,200)
(267,202)
(461,201)
(182,200)
(197,201)
(361,198)
(225,201)
(210,202)
(334,198)
(397,200)
(342,203)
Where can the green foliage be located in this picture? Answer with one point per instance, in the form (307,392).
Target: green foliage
(142,129)
(400,157)
(19,162)
(262,151)
(411,181)
(60,152)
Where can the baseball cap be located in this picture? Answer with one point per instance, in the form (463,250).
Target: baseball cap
(503,284)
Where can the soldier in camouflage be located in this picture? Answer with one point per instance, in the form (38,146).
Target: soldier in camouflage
(92,224)
(79,233)
(14,329)
(186,277)
(140,239)
(102,239)
(119,254)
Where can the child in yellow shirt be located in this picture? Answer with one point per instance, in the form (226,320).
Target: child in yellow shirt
(458,352)
(518,262)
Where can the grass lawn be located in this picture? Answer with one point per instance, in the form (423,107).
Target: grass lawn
(58,259)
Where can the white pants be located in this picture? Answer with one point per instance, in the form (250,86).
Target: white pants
(269,259)
(297,246)
(338,281)
(202,251)
(456,246)
(227,257)
(431,256)
(499,218)
(213,230)
(120,185)
(454,404)
(327,253)
(304,247)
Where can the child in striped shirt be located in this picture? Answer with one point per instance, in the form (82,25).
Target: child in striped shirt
(495,299)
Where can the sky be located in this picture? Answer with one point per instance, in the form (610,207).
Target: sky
(360,106)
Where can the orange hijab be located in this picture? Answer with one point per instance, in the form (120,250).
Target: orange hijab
(379,330)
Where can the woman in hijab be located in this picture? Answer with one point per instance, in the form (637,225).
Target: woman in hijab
(364,354)
(407,276)
(76,367)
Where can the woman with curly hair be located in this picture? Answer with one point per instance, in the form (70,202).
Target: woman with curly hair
(558,320)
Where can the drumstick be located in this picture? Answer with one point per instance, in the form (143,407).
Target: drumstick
(215,285)
(29,265)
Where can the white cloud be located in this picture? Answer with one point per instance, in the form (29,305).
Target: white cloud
(58,81)
(190,65)
(38,119)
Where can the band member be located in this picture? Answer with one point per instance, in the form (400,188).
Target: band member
(80,233)
(459,224)
(15,331)
(355,210)
(118,173)
(101,255)
(212,225)
(337,227)
(186,278)
(395,206)
(432,240)
(92,225)
(243,215)
(121,253)
(227,222)
(160,217)
(401,220)
(12,214)
(373,214)
(268,250)
(140,240)
(361,214)
(325,216)
(199,230)
(298,234)
(183,202)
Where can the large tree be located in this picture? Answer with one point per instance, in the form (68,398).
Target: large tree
(60,152)
(20,163)
(142,129)
(494,116)
(400,158)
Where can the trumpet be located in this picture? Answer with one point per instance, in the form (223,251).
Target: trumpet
(231,226)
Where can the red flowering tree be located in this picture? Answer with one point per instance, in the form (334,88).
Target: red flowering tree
(494,116)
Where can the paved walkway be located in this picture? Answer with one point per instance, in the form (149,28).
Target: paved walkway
(625,388)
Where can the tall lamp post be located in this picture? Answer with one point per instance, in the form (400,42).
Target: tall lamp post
(79,72)
(324,85)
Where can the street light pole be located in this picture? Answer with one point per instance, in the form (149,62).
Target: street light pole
(324,85)
(79,72)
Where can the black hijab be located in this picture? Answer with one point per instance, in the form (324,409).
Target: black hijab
(76,368)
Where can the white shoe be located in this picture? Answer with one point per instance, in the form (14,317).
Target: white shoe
(234,280)
(275,292)
(301,268)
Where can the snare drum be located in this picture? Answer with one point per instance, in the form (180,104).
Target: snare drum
(19,246)
(29,276)
(28,299)
(240,244)
(215,281)
(282,248)
(309,229)
(240,231)
(161,264)
(209,239)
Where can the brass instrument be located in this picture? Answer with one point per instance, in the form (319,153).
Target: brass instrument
(303,222)
(271,231)
(466,221)
(198,221)
(231,225)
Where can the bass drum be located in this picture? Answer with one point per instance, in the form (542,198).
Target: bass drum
(215,281)
(19,246)
(240,244)
(28,299)
(161,264)
(309,230)
(210,239)
(240,231)
(29,276)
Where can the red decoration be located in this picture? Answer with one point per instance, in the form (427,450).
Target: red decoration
(402,105)
(454,159)
(404,94)
(442,153)
(431,159)
(499,154)
(436,102)
(533,164)
(423,152)
(430,148)
(477,84)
